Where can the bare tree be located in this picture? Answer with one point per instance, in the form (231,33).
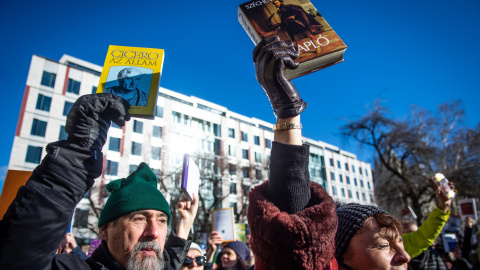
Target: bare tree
(411,150)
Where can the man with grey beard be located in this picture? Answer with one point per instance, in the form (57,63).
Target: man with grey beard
(133,224)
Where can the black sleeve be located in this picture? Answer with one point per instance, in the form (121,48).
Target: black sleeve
(38,218)
(289,180)
(175,251)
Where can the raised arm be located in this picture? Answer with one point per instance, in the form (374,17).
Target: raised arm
(38,218)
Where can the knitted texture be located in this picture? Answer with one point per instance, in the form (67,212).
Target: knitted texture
(136,192)
(350,220)
(240,248)
(288,187)
(304,240)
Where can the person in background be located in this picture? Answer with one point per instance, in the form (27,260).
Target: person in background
(195,260)
(233,256)
(469,239)
(68,245)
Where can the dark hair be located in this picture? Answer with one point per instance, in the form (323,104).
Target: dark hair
(390,229)
(240,265)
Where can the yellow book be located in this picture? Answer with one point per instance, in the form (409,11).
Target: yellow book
(133,73)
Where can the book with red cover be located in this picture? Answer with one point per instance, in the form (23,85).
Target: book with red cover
(297,21)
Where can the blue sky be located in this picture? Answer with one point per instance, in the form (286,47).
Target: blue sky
(404,52)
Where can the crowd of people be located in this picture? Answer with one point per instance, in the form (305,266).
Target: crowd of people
(294,223)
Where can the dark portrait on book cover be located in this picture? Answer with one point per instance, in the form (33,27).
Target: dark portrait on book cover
(130,83)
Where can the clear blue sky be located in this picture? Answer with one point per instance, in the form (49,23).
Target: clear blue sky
(405,52)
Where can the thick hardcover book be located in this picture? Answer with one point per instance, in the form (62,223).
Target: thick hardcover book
(133,73)
(297,21)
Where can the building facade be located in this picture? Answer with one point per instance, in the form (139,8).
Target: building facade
(231,150)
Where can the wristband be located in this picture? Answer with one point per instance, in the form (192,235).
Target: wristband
(285,126)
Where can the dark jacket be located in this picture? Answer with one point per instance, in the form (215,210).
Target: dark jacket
(37,219)
(292,221)
(430,259)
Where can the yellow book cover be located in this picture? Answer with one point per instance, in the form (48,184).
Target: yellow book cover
(133,73)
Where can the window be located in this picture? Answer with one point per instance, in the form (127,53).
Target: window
(358,195)
(334,190)
(338,164)
(348,180)
(244,136)
(366,172)
(217,130)
(360,170)
(368,185)
(114,144)
(256,140)
(157,132)
(331,162)
(67,107)
(349,194)
(63,134)
(34,154)
(132,168)
(217,147)
(137,126)
(245,172)
(73,86)
(136,148)
(361,183)
(48,79)
(94,89)
(231,132)
(245,153)
(343,192)
(346,166)
(157,172)
(341,178)
(43,103)
(80,219)
(353,168)
(258,157)
(112,168)
(232,169)
(364,197)
(355,181)
(156,152)
(38,128)
(332,176)
(258,174)
(233,188)
(231,150)
(159,111)
(268,143)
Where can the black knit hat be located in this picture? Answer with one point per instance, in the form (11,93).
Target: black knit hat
(350,220)
(240,248)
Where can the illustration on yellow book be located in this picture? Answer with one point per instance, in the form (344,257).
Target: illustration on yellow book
(133,73)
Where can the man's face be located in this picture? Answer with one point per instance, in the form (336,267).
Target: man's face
(371,249)
(277,3)
(130,82)
(137,238)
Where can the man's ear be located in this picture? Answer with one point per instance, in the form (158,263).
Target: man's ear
(103,232)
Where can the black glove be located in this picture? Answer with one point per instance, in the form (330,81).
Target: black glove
(89,119)
(271,57)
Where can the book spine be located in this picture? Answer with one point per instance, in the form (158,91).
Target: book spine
(247,26)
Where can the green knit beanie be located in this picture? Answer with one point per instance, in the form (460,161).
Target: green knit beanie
(136,192)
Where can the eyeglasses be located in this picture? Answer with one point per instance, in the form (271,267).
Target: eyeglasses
(200,260)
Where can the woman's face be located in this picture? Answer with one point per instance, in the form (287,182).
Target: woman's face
(229,258)
(193,266)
